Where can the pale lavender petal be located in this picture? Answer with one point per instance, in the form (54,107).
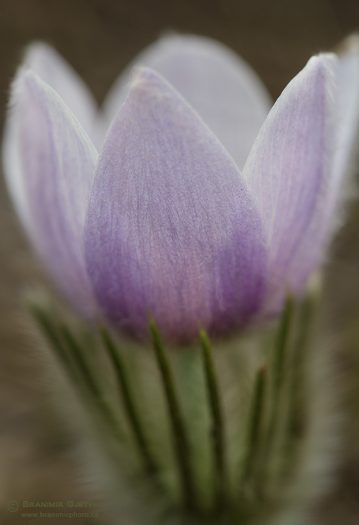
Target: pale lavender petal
(49,65)
(172,231)
(49,165)
(289,171)
(347,149)
(221,86)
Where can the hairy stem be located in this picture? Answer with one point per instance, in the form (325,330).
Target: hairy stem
(179,434)
(217,420)
(130,407)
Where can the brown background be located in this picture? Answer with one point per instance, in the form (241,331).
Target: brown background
(99,38)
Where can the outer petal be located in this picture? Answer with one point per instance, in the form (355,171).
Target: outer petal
(346,156)
(289,171)
(55,71)
(49,165)
(224,90)
(171,231)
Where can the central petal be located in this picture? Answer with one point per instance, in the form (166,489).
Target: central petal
(171,230)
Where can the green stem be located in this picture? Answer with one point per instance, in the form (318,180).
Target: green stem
(278,368)
(299,368)
(179,435)
(277,372)
(129,403)
(52,335)
(70,355)
(90,381)
(254,425)
(217,423)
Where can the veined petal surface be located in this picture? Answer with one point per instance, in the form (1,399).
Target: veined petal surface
(219,85)
(289,172)
(172,231)
(49,166)
(52,68)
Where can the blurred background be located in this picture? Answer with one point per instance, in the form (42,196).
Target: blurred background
(38,457)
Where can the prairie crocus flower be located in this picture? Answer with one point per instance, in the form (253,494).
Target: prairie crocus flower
(201,206)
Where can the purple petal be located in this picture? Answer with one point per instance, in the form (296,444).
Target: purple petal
(289,171)
(171,231)
(49,167)
(224,90)
(49,65)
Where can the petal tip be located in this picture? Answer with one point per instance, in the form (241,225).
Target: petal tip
(322,63)
(146,82)
(25,81)
(145,76)
(350,45)
(38,55)
(37,48)
(319,73)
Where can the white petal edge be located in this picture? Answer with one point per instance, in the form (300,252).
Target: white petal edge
(53,69)
(289,172)
(49,164)
(347,150)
